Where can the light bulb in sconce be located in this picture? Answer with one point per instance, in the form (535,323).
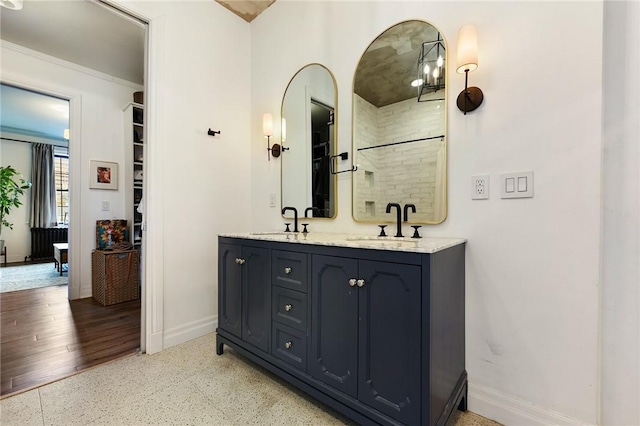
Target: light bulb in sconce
(284,130)
(267,125)
(267,131)
(471,97)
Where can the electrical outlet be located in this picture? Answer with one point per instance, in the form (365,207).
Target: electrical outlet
(480,187)
(106,206)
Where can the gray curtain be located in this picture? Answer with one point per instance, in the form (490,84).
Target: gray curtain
(43,189)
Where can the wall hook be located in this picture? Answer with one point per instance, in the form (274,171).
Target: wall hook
(213,132)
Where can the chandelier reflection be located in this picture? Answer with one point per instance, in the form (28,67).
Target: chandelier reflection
(431,69)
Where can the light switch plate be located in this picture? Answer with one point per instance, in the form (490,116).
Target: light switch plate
(106,206)
(516,185)
(480,187)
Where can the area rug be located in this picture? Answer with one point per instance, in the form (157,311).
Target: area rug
(16,278)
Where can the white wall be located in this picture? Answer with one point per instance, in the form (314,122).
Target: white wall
(198,185)
(532,264)
(621,216)
(96,134)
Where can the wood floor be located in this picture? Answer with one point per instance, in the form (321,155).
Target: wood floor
(45,337)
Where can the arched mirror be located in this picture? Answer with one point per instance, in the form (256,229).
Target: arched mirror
(399,125)
(309,142)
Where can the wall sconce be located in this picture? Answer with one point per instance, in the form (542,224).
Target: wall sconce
(267,131)
(471,97)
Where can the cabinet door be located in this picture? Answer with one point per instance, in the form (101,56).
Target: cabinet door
(334,323)
(230,288)
(389,366)
(256,308)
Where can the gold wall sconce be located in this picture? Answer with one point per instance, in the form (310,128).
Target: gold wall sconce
(471,97)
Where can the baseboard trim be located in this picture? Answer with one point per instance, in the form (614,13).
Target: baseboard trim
(509,410)
(190,331)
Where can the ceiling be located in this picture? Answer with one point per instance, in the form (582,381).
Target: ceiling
(20,109)
(86,33)
(247,10)
(389,65)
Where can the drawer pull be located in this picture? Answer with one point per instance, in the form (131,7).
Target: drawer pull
(287,270)
(288,345)
(288,307)
(352,282)
(360,283)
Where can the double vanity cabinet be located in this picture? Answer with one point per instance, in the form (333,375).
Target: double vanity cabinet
(373,328)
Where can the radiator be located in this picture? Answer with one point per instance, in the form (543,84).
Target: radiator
(42,240)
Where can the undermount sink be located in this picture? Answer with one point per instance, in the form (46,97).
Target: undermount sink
(270,233)
(385,241)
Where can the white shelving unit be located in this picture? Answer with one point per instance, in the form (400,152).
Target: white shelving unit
(134,138)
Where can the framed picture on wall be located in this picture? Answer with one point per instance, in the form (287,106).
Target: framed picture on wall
(103,175)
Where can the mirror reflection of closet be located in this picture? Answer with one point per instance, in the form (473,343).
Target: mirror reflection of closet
(399,125)
(308,113)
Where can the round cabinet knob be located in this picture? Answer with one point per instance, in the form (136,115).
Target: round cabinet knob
(238,260)
(352,282)
(360,283)
(241,261)
(287,270)
(288,345)
(288,307)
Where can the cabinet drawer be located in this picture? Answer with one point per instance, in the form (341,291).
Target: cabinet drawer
(290,308)
(290,345)
(289,269)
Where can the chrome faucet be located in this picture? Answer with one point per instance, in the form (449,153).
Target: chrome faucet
(399,217)
(295,217)
(406,210)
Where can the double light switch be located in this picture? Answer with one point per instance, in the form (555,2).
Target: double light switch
(517,185)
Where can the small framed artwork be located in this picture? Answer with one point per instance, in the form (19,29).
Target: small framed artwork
(103,175)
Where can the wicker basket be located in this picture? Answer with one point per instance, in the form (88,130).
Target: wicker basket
(114,276)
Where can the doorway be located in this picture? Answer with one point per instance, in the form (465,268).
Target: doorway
(35,142)
(81,135)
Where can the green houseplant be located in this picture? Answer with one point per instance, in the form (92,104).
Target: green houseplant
(12,187)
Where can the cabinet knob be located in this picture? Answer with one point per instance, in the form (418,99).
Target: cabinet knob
(287,270)
(352,282)
(288,307)
(240,261)
(288,345)
(360,283)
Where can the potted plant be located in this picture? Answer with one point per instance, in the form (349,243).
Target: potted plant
(12,187)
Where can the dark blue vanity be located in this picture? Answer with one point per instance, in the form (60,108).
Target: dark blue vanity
(375,330)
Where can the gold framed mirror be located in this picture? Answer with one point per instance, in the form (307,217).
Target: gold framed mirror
(400,125)
(309,114)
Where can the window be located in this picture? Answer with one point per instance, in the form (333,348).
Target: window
(61,160)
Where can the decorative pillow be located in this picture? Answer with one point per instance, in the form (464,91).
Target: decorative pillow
(111,232)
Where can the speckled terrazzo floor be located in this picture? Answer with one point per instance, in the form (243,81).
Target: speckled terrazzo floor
(184,385)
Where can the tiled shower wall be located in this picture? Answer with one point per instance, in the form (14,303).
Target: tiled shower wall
(404,173)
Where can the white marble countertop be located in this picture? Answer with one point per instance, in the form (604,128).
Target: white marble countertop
(415,245)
